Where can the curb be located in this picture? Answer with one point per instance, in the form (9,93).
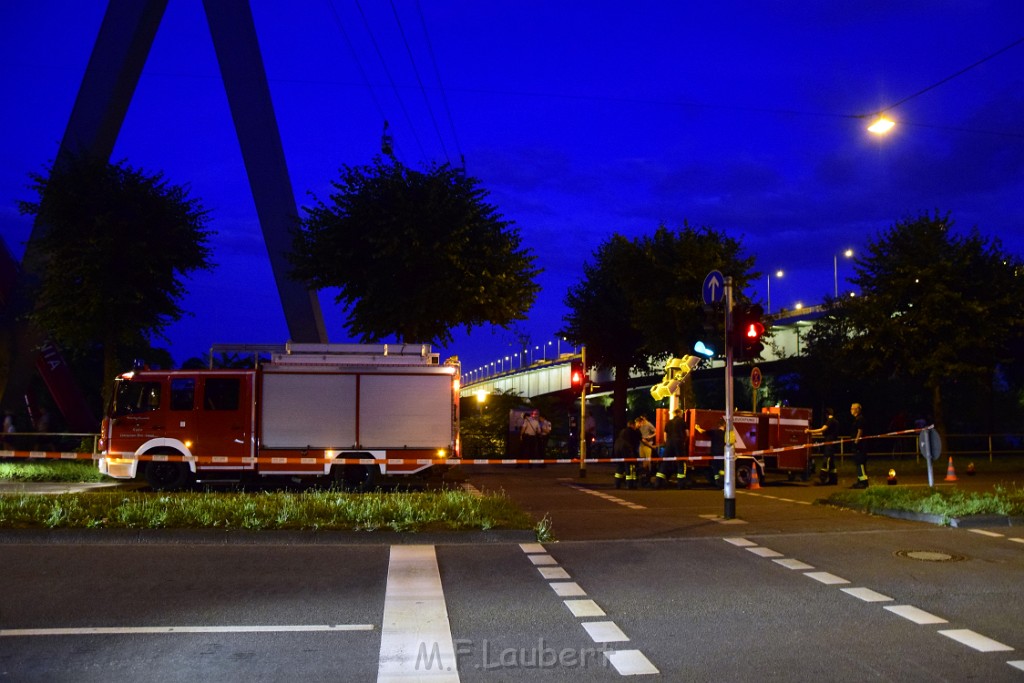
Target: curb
(243,537)
(968,522)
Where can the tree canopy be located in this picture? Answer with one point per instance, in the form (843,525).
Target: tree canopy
(414,254)
(937,308)
(641,298)
(117,245)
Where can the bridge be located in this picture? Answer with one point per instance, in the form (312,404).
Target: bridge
(788,331)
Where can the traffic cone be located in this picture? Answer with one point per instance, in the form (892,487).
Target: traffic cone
(892,477)
(950,472)
(970,469)
(755,481)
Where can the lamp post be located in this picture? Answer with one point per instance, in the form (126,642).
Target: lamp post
(835,270)
(778,274)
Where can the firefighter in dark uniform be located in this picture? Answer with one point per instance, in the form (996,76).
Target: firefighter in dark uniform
(860,448)
(830,433)
(673,471)
(627,445)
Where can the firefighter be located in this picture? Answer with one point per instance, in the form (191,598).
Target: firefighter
(626,447)
(860,448)
(673,471)
(829,432)
(647,433)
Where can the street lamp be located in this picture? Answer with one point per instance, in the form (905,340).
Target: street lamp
(835,269)
(881,125)
(778,274)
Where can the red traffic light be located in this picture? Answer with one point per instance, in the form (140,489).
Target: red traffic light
(577,376)
(754,330)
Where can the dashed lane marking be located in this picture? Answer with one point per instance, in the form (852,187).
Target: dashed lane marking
(604,632)
(542,560)
(866,594)
(626,662)
(553,573)
(609,497)
(764,552)
(631,663)
(916,615)
(584,608)
(976,640)
(790,563)
(983,532)
(472,490)
(826,578)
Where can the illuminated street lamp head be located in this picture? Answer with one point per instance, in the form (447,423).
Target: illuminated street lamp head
(882,125)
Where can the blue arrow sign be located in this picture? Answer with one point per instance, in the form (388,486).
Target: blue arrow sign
(714,288)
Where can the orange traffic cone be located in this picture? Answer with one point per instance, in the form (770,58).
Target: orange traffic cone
(755,481)
(892,477)
(950,472)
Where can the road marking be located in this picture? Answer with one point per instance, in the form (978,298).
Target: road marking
(608,497)
(740,542)
(983,532)
(567,589)
(764,552)
(793,564)
(604,632)
(976,640)
(826,578)
(1017,540)
(631,663)
(553,573)
(542,559)
(122,630)
(584,608)
(532,548)
(1019,664)
(416,637)
(866,594)
(918,616)
(723,520)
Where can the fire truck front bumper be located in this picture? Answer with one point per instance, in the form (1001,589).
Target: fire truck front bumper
(118,467)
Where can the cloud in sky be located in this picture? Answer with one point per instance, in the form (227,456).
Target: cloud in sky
(581,119)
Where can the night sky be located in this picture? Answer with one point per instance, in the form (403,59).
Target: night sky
(580,118)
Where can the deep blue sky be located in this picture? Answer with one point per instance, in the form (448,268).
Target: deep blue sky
(581,119)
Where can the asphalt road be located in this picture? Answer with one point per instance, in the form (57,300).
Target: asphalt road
(648,583)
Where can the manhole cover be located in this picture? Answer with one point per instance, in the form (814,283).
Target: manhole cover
(929,556)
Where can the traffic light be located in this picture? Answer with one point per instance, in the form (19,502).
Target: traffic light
(577,376)
(703,350)
(747,331)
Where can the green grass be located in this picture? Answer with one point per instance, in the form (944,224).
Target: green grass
(311,510)
(948,503)
(51,470)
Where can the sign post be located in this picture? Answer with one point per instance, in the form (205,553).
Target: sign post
(730,441)
(582,428)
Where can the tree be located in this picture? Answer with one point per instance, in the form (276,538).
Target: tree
(938,308)
(414,254)
(117,245)
(640,299)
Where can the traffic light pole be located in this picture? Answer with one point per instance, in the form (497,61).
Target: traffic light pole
(582,427)
(730,445)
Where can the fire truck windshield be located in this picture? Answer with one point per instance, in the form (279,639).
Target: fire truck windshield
(135,397)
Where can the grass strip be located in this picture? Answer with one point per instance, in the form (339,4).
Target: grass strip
(308,510)
(947,503)
(51,470)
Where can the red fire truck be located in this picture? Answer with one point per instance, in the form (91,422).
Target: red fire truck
(310,411)
(772,428)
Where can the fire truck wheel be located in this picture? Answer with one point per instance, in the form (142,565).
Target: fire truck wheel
(357,477)
(167,476)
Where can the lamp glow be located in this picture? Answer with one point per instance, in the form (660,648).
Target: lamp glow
(881,126)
